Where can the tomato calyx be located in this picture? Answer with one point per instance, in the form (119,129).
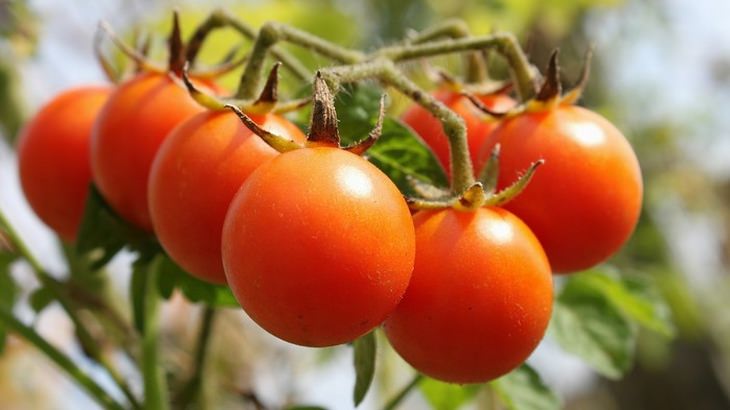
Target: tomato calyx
(549,96)
(267,101)
(323,129)
(482,193)
(180,53)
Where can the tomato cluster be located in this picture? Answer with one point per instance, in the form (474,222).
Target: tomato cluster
(317,244)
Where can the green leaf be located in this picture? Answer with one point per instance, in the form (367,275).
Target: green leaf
(587,323)
(137,290)
(173,276)
(445,396)
(523,389)
(103,233)
(364,358)
(636,296)
(40,299)
(399,153)
(357,108)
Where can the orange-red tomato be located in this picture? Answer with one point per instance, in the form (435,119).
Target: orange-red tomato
(194,177)
(53,157)
(478,127)
(480,297)
(127,135)
(584,202)
(318,246)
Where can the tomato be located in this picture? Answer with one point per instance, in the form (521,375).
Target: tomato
(480,297)
(53,156)
(199,168)
(478,126)
(127,135)
(584,202)
(318,246)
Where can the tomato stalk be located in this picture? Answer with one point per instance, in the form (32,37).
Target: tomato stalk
(193,390)
(61,360)
(398,398)
(56,288)
(155,385)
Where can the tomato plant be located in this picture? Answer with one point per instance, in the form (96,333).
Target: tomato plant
(480,297)
(188,198)
(584,203)
(318,246)
(478,125)
(53,157)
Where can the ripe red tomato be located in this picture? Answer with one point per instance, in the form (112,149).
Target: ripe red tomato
(318,246)
(584,202)
(478,127)
(199,168)
(127,135)
(480,297)
(53,157)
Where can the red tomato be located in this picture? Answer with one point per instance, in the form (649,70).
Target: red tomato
(53,156)
(584,202)
(318,246)
(478,126)
(127,135)
(199,168)
(480,297)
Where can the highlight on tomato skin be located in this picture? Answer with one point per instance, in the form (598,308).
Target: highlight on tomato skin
(584,203)
(53,157)
(129,131)
(478,125)
(195,175)
(318,246)
(479,300)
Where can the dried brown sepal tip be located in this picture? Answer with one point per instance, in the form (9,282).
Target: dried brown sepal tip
(6,245)
(360,147)
(206,100)
(490,173)
(551,88)
(572,96)
(269,94)
(482,107)
(516,188)
(323,125)
(275,141)
(176,61)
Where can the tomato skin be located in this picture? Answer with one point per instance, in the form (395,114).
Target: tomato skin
(480,297)
(318,246)
(53,157)
(197,171)
(126,137)
(478,126)
(583,204)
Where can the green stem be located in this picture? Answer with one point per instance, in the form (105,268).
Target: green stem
(155,386)
(474,63)
(506,44)
(462,176)
(219,19)
(193,389)
(271,33)
(61,360)
(398,398)
(57,290)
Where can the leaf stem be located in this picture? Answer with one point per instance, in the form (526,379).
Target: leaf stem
(155,386)
(61,360)
(193,390)
(462,175)
(505,43)
(271,33)
(398,398)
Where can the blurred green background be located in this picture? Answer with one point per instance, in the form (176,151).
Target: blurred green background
(661,73)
